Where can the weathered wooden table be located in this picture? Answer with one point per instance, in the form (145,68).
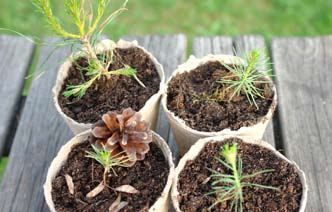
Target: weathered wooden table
(301,128)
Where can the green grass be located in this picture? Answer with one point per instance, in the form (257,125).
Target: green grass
(3,162)
(195,17)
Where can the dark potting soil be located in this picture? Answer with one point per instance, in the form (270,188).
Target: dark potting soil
(104,96)
(149,177)
(193,189)
(184,99)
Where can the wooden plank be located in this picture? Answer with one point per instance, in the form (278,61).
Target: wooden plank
(15,56)
(248,43)
(212,45)
(303,71)
(170,51)
(39,136)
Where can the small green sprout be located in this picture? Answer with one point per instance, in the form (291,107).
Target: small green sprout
(107,160)
(90,20)
(230,186)
(230,153)
(245,77)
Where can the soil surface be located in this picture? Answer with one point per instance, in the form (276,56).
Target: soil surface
(185,97)
(104,95)
(148,176)
(193,186)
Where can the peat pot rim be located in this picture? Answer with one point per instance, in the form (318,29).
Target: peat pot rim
(102,46)
(193,63)
(195,150)
(161,204)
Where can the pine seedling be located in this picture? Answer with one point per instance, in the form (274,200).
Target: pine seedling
(90,21)
(229,187)
(245,77)
(108,160)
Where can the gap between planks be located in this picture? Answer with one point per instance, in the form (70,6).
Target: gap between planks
(170,51)
(15,58)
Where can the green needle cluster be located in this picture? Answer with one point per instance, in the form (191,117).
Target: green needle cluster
(245,77)
(229,187)
(107,159)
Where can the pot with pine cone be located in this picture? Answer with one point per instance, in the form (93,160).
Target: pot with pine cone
(119,165)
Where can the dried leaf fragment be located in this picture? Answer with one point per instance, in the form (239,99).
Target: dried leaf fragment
(127,189)
(96,190)
(120,206)
(70,184)
(117,205)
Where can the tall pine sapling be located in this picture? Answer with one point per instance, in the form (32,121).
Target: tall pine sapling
(90,20)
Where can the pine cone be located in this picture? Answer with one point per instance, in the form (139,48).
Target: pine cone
(125,132)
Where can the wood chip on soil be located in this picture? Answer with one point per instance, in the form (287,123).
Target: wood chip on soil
(96,190)
(117,205)
(70,184)
(206,180)
(127,189)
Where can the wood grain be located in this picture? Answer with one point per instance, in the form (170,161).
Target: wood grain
(303,71)
(212,45)
(15,56)
(39,136)
(170,51)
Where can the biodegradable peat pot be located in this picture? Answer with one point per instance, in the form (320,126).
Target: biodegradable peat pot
(147,104)
(59,162)
(183,120)
(255,154)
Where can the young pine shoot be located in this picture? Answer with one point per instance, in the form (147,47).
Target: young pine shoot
(245,77)
(89,20)
(108,160)
(229,187)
